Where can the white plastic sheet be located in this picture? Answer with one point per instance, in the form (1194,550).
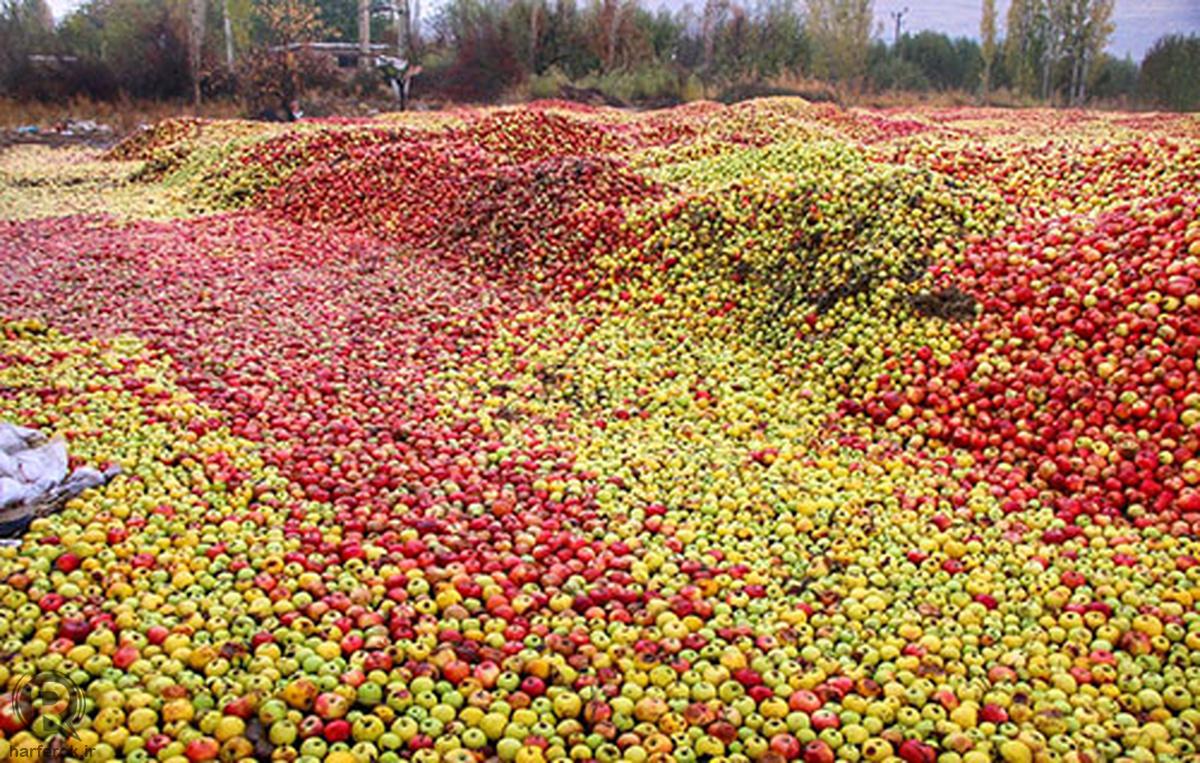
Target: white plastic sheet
(33,469)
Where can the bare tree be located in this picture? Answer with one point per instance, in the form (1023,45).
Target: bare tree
(715,12)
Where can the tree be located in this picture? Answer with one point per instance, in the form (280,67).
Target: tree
(782,44)
(276,71)
(1168,74)
(140,46)
(1026,42)
(1114,79)
(364,33)
(1098,28)
(25,26)
(927,60)
(987,42)
(711,22)
(196,28)
(841,35)
(1053,46)
(614,36)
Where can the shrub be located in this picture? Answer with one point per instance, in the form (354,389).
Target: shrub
(269,79)
(548,84)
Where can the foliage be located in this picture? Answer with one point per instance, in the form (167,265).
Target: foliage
(481,50)
(274,74)
(136,46)
(270,80)
(945,63)
(25,25)
(926,61)
(482,58)
(1055,46)
(841,32)
(987,41)
(1169,73)
(1114,79)
(646,84)
(888,71)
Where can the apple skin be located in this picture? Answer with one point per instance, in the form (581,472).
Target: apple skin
(817,751)
(408,416)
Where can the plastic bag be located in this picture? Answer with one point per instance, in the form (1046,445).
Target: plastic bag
(33,470)
(14,438)
(44,466)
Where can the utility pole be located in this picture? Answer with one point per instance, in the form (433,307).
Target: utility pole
(364,34)
(400,7)
(898,17)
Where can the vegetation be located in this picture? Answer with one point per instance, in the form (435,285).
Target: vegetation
(1168,74)
(612,50)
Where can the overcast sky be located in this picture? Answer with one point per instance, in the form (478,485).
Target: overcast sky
(1139,22)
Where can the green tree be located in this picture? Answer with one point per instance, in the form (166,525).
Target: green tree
(141,44)
(841,36)
(782,45)
(26,27)
(1080,29)
(1114,78)
(1026,43)
(1168,74)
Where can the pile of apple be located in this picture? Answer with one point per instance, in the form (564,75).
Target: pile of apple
(1078,383)
(766,432)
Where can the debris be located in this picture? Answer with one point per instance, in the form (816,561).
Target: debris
(34,479)
(952,304)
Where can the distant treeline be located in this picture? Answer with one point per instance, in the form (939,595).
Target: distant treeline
(1046,51)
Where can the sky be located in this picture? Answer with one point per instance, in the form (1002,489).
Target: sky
(1138,22)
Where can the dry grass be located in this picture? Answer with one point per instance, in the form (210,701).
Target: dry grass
(122,115)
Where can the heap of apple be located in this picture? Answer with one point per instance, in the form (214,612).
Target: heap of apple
(766,432)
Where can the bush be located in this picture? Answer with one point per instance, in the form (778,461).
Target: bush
(141,43)
(219,82)
(693,89)
(548,84)
(650,84)
(892,73)
(480,71)
(1168,77)
(268,80)
(365,82)
(812,92)
(1116,79)
(87,79)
